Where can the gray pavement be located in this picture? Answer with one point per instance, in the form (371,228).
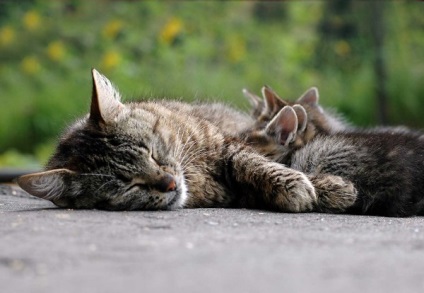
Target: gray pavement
(46,249)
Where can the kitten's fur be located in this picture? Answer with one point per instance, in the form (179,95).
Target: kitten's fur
(385,165)
(164,155)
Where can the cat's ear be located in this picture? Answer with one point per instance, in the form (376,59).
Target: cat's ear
(273,103)
(105,100)
(47,185)
(253,99)
(283,126)
(302,118)
(310,97)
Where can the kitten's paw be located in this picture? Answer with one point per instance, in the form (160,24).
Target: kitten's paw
(335,194)
(299,193)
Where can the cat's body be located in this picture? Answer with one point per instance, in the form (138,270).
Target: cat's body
(164,155)
(386,165)
(227,119)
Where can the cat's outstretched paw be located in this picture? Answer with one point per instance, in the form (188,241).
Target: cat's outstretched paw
(335,194)
(299,193)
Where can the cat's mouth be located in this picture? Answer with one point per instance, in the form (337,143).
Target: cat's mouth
(173,197)
(179,195)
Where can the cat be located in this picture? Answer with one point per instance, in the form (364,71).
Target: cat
(312,120)
(321,120)
(386,165)
(158,155)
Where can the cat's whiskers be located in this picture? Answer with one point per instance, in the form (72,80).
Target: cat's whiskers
(103,185)
(180,145)
(96,174)
(190,157)
(186,150)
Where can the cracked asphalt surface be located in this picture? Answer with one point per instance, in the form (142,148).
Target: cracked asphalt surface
(46,249)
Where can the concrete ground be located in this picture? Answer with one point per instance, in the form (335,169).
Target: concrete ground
(46,249)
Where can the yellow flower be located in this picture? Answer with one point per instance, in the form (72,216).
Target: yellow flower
(236,49)
(7,35)
(56,50)
(171,30)
(30,65)
(110,60)
(112,29)
(32,20)
(342,48)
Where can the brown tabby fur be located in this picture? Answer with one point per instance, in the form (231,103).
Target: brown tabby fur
(166,155)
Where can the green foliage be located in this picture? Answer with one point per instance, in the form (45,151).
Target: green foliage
(195,50)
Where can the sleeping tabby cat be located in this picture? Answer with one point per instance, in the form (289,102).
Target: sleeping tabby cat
(386,165)
(165,155)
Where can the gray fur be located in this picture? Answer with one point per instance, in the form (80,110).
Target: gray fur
(164,155)
(384,167)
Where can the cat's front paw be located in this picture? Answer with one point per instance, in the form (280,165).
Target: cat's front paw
(335,194)
(299,193)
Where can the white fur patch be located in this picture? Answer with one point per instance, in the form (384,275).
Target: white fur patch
(183,195)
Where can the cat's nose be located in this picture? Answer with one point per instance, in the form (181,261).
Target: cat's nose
(171,186)
(167,183)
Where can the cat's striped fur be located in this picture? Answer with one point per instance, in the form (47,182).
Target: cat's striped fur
(386,165)
(164,155)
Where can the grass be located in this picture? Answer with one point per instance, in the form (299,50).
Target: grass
(176,49)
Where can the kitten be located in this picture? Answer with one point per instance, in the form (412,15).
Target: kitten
(163,155)
(312,120)
(385,165)
(321,120)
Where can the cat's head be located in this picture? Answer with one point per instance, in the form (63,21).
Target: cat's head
(319,120)
(279,138)
(283,126)
(116,158)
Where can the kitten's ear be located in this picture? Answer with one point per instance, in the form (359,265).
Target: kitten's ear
(302,118)
(273,103)
(105,100)
(254,100)
(47,185)
(310,97)
(283,126)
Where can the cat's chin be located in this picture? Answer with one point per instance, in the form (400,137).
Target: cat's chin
(179,200)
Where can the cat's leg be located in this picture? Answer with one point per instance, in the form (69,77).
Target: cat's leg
(268,184)
(334,194)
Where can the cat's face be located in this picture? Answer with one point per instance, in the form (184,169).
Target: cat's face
(116,158)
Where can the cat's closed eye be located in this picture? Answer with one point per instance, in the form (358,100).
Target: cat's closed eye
(153,157)
(123,177)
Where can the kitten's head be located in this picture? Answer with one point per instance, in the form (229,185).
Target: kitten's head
(280,137)
(319,120)
(275,132)
(116,158)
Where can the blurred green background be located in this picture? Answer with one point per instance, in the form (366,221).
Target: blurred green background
(366,58)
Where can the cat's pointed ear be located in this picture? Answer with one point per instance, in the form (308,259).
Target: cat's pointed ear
(254,100)
(47,185)
(273,103)
(283,126)
(105,100)
(310,97)
(302,118)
